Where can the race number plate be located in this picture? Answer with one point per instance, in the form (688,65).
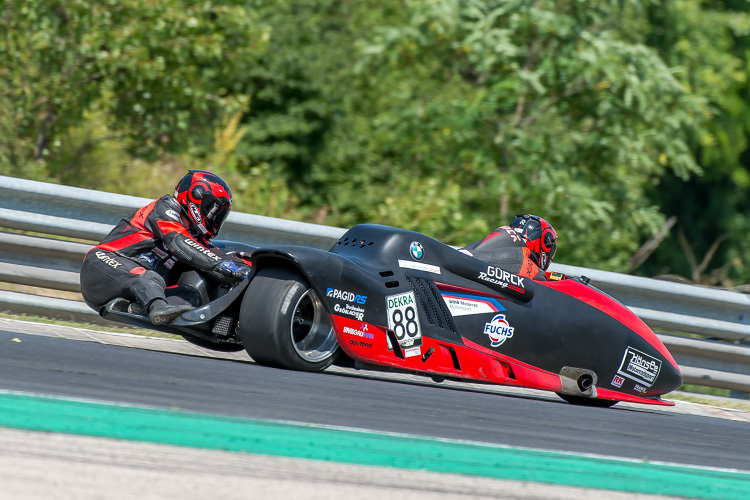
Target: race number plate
(404,320)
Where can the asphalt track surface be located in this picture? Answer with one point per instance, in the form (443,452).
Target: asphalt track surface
(92,371)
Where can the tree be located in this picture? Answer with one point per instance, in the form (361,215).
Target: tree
(157,73)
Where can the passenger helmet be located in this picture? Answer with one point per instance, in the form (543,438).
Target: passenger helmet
(206,199)
(541,238)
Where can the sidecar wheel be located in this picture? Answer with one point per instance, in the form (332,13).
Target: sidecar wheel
(583,401)
(283,323)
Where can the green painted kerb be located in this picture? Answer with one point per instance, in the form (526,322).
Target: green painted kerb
(366,448)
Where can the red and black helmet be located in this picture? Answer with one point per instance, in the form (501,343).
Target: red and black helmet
(541,237)
(206,199)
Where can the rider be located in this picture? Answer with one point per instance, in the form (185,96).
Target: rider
(525,247)
(135,259)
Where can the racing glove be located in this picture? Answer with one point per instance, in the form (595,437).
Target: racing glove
(231,270)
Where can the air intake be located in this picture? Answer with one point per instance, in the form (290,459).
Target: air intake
(432,303)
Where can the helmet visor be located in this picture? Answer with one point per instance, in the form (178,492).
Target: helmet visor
(215,211)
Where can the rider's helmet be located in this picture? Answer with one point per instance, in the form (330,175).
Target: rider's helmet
(206,199)
(541,238)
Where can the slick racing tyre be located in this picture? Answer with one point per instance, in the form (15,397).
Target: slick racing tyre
(584,401)
(283,323)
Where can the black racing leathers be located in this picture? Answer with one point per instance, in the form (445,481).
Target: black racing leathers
(136,258)
(507,249)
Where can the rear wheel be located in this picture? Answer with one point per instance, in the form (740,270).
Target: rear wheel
(283,323)
(584,401)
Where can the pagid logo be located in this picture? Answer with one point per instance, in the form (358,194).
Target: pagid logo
(417,250)
(499,330)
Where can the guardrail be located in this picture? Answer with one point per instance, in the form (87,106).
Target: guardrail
(713,350)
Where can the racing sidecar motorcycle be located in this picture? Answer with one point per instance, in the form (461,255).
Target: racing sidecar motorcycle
(394,299)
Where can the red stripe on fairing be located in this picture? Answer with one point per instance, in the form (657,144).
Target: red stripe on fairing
(528,375)
(621,396)
(611,308)
(460,289)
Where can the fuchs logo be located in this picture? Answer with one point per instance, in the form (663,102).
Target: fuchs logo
(617,381)
(335,293)
(417,250)
(499,330)
(639,366)
(196,212)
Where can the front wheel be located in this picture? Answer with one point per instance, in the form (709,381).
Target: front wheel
(283,323)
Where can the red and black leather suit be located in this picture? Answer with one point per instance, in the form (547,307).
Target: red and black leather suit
(507,249)
(136,258)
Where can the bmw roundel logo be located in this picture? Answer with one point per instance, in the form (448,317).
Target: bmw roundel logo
(417,250)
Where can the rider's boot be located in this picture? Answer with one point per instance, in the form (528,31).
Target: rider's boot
(161,312)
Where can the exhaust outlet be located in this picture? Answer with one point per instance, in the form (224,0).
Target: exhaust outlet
(578,381)
(585,382)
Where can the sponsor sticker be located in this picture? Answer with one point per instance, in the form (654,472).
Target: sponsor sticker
(359,343)
(416,250)
(639,366)
(503,278)
(419,266)
(196,212)
(412,351)
(335,293)
(617,381)
(361,332)
(639,388)
(350,310)
(460,304)
(498,330)
(403,319)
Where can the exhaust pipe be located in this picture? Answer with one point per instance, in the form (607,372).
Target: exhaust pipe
(585,382)
(578,381)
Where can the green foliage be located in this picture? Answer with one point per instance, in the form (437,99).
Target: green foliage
(544,107)
(156,72)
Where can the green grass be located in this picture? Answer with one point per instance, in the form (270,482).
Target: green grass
(114,328)
(733,404)
(701,389)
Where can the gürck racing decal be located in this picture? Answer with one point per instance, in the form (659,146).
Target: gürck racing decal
(503,278)
(639,366)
